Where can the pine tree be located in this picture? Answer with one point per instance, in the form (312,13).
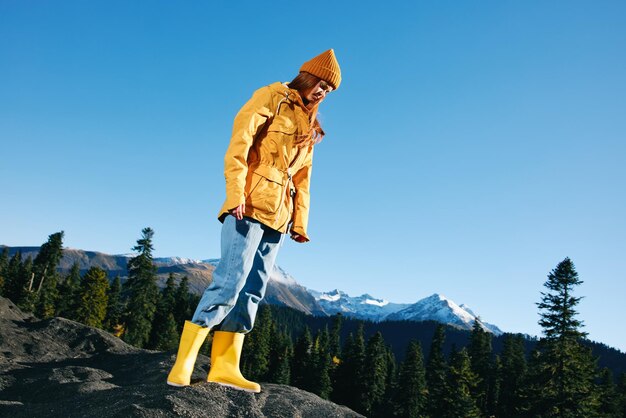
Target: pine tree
(334,345)
(183,305)
(164,334)
(334,349)
(493,387)
(374,375)
(391,384)
(302,363)
(411,391)
(142,292)
(350,379)
(255,358)
(46,275)
(512,377)
(69,294)
(15,287)
(4,265)
(436,374)
(479,351)
(281,351)
(462,382)
(621,395)
(565,369)
(93,298)
(322,385)
(115,307)
(609,399)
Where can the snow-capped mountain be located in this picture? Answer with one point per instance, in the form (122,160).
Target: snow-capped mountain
(362,307)
(441,309)
(172,261)
(285,290)
(282,289)
(433,308)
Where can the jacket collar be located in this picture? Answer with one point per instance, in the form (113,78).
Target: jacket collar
(289,94)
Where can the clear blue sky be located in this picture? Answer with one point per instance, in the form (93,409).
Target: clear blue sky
(470,148)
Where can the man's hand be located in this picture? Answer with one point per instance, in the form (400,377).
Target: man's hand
(238,211)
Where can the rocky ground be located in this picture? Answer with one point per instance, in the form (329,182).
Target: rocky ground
(60,368)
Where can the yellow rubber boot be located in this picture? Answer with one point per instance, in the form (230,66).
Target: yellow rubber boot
(190,343)
(225,356)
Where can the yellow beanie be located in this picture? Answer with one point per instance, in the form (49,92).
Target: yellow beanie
(326,67)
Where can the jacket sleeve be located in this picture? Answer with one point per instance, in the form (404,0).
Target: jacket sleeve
(302,199)
(248,123)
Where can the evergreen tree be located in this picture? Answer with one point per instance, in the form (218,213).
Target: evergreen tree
(26,275)
(93,298)
(374,376)
(69,294)
(183,305)
(462,382)
(479,351)
(436,374)
(334,345)
(493,387)
(19,276)
(15,287)
(115,307)
(350,379)
(621,395)
(255,358)
(4,265)
(565,368)
(46,275)
(281,351)
(164,334)
(391,384)
(322,385)
(334,348)
(512,377)
(411,388)
(609,399)
(302,363)
(142,291)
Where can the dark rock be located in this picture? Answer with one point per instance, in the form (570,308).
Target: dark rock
(60,368)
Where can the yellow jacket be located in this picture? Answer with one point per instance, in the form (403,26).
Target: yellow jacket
(263,167)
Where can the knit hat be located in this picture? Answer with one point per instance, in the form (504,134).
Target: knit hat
(326,67)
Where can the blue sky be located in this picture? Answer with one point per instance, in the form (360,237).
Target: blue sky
(471,147)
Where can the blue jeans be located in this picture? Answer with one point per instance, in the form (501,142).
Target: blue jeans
(231,301)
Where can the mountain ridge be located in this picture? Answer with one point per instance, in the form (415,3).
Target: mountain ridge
(283,289)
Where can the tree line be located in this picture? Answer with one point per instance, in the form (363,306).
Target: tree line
(136,311)
(559,378)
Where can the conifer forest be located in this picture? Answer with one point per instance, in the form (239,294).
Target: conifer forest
(437,371)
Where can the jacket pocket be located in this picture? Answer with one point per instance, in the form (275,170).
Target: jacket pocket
(266,189)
